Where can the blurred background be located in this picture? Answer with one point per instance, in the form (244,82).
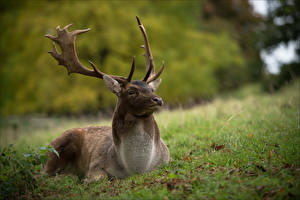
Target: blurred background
(209,47)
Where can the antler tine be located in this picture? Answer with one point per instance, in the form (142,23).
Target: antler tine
(153,78)
(58,28)
(117,78)
(78,32)
(54,52)
(51,37)
(150,67)
(96,69)
(132,70)
(67,26)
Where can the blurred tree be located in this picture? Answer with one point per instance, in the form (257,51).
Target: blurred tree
(282,26)
(202,57)
(237,16)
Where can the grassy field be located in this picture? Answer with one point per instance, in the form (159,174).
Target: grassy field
(245,145)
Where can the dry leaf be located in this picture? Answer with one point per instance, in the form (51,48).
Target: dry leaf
(251,135)
(270,154)
(222,146)
(217,147)
(281,190)
(187,156)
(287,165)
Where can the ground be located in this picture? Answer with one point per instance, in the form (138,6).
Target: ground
(244,145)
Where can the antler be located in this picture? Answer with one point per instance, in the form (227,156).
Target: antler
(68,56)
(150,67)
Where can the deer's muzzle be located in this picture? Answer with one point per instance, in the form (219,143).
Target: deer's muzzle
(158,100)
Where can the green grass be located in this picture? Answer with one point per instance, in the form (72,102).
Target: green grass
(241,146)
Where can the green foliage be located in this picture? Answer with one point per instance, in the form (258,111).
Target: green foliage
(237,16)
(18,170)
(199,62)
(288,73)
(282,24)
(282,27)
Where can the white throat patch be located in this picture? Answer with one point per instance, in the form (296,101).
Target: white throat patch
(137,150)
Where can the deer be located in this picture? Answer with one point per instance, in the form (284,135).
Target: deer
(133,144)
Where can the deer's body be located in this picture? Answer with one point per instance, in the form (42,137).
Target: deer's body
(92,152)
(133,144)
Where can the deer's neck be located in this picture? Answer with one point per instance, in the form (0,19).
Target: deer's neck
(124,123)
(136,140)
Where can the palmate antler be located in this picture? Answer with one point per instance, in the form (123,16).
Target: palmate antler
(69,58)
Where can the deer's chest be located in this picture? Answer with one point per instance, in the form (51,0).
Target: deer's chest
(137,150)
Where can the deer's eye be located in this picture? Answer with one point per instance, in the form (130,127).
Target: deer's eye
(131,92)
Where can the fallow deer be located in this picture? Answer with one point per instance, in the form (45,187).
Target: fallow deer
(133,144)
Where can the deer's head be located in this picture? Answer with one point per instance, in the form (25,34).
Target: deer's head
(136,96)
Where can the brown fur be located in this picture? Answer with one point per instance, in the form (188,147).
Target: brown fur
(72,147)
(96,152)
(133,144)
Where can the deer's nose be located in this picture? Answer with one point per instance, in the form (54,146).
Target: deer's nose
(158,100)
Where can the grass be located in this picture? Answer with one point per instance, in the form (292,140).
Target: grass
(240,146)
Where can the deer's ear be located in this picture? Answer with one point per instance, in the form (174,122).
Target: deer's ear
(112,84)
(155,84)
